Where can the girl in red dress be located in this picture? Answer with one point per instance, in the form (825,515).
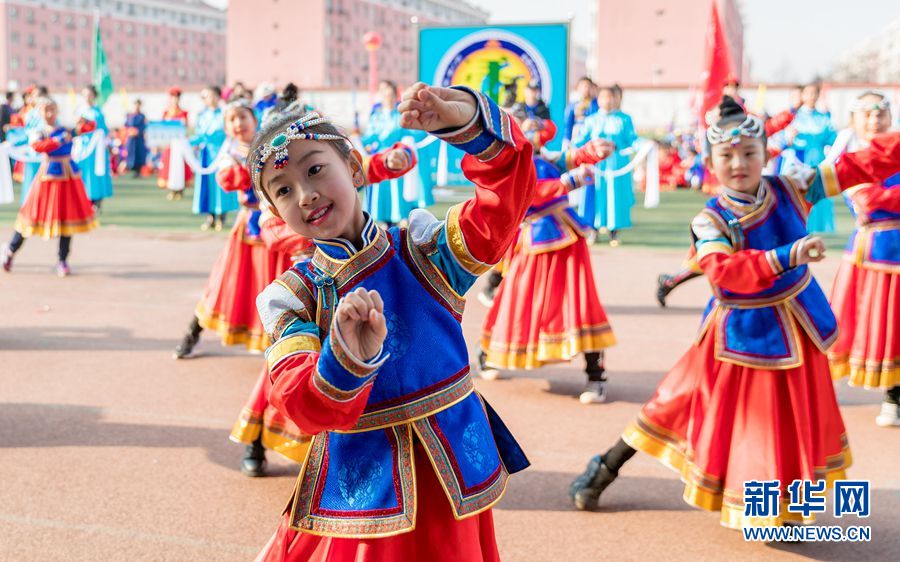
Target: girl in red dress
(547,308)
(407,459)
(752,400)
(866,291)
(57,205)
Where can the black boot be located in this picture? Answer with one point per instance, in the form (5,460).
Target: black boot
(665,284)
(486,296)
(586,489)
(254,462)
(595,391)
(191,337)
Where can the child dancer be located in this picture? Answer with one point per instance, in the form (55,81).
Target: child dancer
(548,310)
(261,426)
(98,186)
(752,399)
(56,205)
(369,356)
(867,286)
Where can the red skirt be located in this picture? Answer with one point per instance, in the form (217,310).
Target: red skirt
(279,433)
(438,535)
(244,268)
(162,178)
(867,305)
(720,425)
(546,310)
(54,208)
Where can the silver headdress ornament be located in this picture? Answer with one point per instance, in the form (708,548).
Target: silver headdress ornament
(859,105)
(242,103)
(279,143)
(751,127)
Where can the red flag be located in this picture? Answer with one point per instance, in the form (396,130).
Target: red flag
(716,68)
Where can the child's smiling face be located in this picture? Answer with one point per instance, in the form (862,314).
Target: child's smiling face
(315,193)
(739,166)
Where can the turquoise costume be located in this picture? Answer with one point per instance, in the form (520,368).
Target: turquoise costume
(384,201)
(594,206)
(33,122)
(815,133)
(98,187)
(209,135)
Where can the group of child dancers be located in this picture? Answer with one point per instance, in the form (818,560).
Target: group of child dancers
(366,377)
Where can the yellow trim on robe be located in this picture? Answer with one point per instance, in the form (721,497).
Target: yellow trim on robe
(551,348)
(709,248)
(829,180)
(292,344)
(871,375)
(457,243)
(54,229)
(728,502)
(230,334)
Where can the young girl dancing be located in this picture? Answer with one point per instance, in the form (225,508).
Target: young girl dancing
(752,399)
(369,356)
(547,309)
(866,291)
(56,205)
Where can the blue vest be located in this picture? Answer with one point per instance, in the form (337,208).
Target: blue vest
(361,481)
(876,245)
(58,163)
(553,224)
(760,329)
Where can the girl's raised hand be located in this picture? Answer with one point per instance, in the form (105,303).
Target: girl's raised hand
(360,319)
(812,249)
(429,108)
(396,159)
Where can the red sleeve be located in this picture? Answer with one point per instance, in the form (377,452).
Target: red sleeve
(377,171)
(233,178)
(46,145)
(504,188)
(84,126)
(548,190)
(547,132)
(872,165)
(779,122)
(747,271)
(294,395)
(278,237)
(876,198)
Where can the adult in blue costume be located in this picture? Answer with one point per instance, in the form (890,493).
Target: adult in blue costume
(98,186)
(209,135)
(384,201)
(610,211)
(811,133)
(584,105)
(136,147)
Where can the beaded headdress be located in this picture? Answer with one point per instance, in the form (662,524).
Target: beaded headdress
(858,105)
(279,143)
(750,126)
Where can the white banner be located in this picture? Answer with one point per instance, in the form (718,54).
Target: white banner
(180,154)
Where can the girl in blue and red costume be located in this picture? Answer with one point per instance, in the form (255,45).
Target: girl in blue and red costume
(752,400)
(369,356)
(261,426)
(547,309)
(866,291)
(56,204)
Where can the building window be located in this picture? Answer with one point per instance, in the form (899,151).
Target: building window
(13,14)
(70,43)
(84,22)
(54,17)
(57,44)
(29,16)
(14,37)
(83,69)
(30,40)
(14,63)
(84,44)
(30,64)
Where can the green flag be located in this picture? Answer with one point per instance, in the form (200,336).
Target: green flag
(102,79)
